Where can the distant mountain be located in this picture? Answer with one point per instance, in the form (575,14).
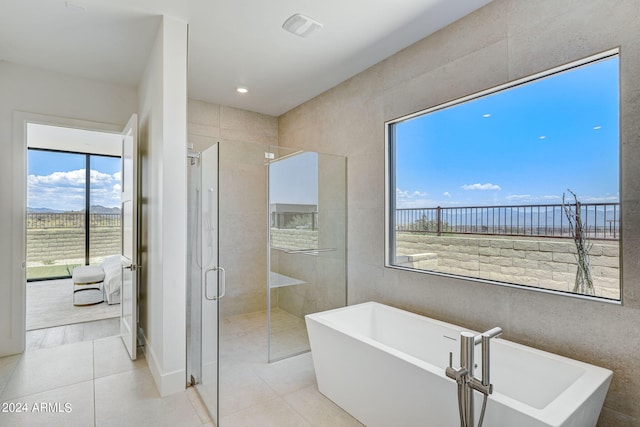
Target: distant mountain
(42,210)
(96,209)
(102,210)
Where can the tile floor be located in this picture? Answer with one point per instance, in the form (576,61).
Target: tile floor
(87,380)
(279,394)
(69,334)
(92,374)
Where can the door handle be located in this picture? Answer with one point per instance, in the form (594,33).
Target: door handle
(223,281)
(132,267)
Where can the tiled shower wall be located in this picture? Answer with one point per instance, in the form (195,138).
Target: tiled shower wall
(503,41)
(243,210)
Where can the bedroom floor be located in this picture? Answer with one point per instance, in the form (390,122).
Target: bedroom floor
(87,381)
(49,303)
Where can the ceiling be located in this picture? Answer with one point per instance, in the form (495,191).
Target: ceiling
(231,42)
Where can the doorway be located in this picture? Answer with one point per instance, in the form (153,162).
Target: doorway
(72,219)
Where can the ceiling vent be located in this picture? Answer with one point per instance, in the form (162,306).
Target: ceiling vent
(301,25)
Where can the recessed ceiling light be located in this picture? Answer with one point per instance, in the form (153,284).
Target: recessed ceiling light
(301,25)
(241,89)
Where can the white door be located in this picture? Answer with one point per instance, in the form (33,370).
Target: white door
(129,199)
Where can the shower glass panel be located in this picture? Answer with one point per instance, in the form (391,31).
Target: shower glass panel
(243,254)
(203,289)
(231,224)
(233,328)
(307,253)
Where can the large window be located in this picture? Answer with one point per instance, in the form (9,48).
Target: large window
(516,185)
(73,211)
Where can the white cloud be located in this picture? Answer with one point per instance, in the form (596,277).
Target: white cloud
(519,197)
(446,194)
(409,195)
(60,179)
(482,187)
(66,190)
(412,199)
(98,177)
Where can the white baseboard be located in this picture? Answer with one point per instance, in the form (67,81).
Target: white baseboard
(166,383)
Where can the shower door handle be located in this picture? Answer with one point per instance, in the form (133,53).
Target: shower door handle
(224,282)
(206,283)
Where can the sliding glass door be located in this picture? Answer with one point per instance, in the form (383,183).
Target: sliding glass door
(73,214)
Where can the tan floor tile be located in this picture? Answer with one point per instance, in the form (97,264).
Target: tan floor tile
(253,391)
(67,406)
(110,357)
(290,374)
(318,410)
(7,366)
(275,413)
(50,368)
(198,406)
(232,401)
(130,399)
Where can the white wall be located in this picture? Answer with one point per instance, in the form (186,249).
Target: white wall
(39,92)
(162,104)
(163,131)
(503,41)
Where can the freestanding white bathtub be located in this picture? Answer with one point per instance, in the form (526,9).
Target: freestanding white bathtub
(386,367)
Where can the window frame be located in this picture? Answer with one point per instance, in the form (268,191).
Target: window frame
(390,178)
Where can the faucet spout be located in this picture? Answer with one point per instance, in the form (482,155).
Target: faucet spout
(484,386)
(493,332)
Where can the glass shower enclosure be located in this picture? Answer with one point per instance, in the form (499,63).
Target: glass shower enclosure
(307,245)
(267,234)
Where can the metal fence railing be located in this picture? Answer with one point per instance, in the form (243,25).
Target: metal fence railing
(600,220)
(36,220)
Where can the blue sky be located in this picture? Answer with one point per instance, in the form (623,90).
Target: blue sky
(525,145)
(57,180)
(294,179)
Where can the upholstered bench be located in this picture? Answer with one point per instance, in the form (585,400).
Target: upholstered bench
(88,278)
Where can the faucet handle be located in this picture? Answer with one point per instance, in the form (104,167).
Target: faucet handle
(458,375)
